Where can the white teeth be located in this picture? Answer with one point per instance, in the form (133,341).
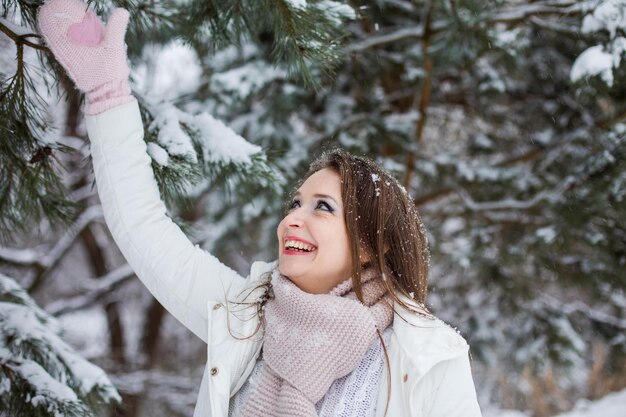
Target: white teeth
(296,244)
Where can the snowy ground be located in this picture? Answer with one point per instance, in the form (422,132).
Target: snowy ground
(612,405)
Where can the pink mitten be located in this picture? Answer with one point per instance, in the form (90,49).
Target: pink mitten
(93,56)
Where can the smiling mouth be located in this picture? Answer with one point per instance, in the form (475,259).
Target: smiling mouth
(296,246)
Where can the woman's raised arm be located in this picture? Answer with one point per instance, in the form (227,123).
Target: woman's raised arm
(181,276)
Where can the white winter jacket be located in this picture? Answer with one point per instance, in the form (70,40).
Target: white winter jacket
(430,369)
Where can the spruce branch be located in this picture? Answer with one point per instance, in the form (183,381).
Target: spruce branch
(46,376)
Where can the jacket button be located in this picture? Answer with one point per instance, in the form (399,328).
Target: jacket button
(405,377)
(214,371)
(217,306)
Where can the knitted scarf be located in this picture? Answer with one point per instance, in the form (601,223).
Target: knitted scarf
(311,340)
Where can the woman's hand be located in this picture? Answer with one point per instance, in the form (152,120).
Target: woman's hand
(93,55)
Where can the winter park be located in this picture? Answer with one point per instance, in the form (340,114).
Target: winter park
(179,235)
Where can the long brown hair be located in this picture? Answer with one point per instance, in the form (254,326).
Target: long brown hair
(384,227)
(383,224)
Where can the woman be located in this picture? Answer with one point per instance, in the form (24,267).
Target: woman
(336,327)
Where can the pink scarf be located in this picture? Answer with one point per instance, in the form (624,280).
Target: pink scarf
(311,340)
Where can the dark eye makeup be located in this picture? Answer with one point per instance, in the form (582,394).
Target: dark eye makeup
(320,204)
(324,206)
(294,203)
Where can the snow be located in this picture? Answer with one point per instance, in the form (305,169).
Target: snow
(171,135)
(609,15)
(336,10)
(590,24)
(503,413)
(593,61)
(27,324)
(245,80)
(222,143)
(169,73)
(87,331)
(611,405)
(375,179)
(24,325)
(18,30)
(5,384)
(547,234)
(297,4)
(225,58)
(43,383)
(387,38)
(158,154)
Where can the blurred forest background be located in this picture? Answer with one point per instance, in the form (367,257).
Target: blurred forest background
(504,119)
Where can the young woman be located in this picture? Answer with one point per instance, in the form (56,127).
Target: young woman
(335,327)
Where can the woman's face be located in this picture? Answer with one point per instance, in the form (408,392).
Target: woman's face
(314,251)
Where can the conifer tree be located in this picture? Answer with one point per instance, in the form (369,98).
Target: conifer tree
(510,139)
(40,375)
(503,119)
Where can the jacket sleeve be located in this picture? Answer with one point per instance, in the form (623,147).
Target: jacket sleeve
(451,391)
(180,275)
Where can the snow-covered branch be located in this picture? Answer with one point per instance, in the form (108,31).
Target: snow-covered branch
(20,34)
(45,259)
(509,203)
(524,11)
(416,32)
(64,244)
(40,371)
(104,286)
(553,303)
(557,27)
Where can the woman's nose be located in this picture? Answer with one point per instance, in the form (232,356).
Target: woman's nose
(295,220)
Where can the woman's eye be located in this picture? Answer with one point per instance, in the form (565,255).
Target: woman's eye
(322,205)
(294,204)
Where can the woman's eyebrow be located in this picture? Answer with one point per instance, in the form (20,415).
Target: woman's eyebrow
(298,193)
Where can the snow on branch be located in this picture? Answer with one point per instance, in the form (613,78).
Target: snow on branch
(219,143)
(20,34)
(602,60)
(557,27)
(416,32)
(86,217)
(524,11)
(41,374)
(579,307)
(514,14)
(48,258)
(509,203)
(104,286)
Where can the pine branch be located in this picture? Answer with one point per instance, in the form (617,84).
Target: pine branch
(46,376)
(29,184)
(20,35)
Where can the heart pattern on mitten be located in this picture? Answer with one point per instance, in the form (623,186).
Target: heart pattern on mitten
(89,32)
